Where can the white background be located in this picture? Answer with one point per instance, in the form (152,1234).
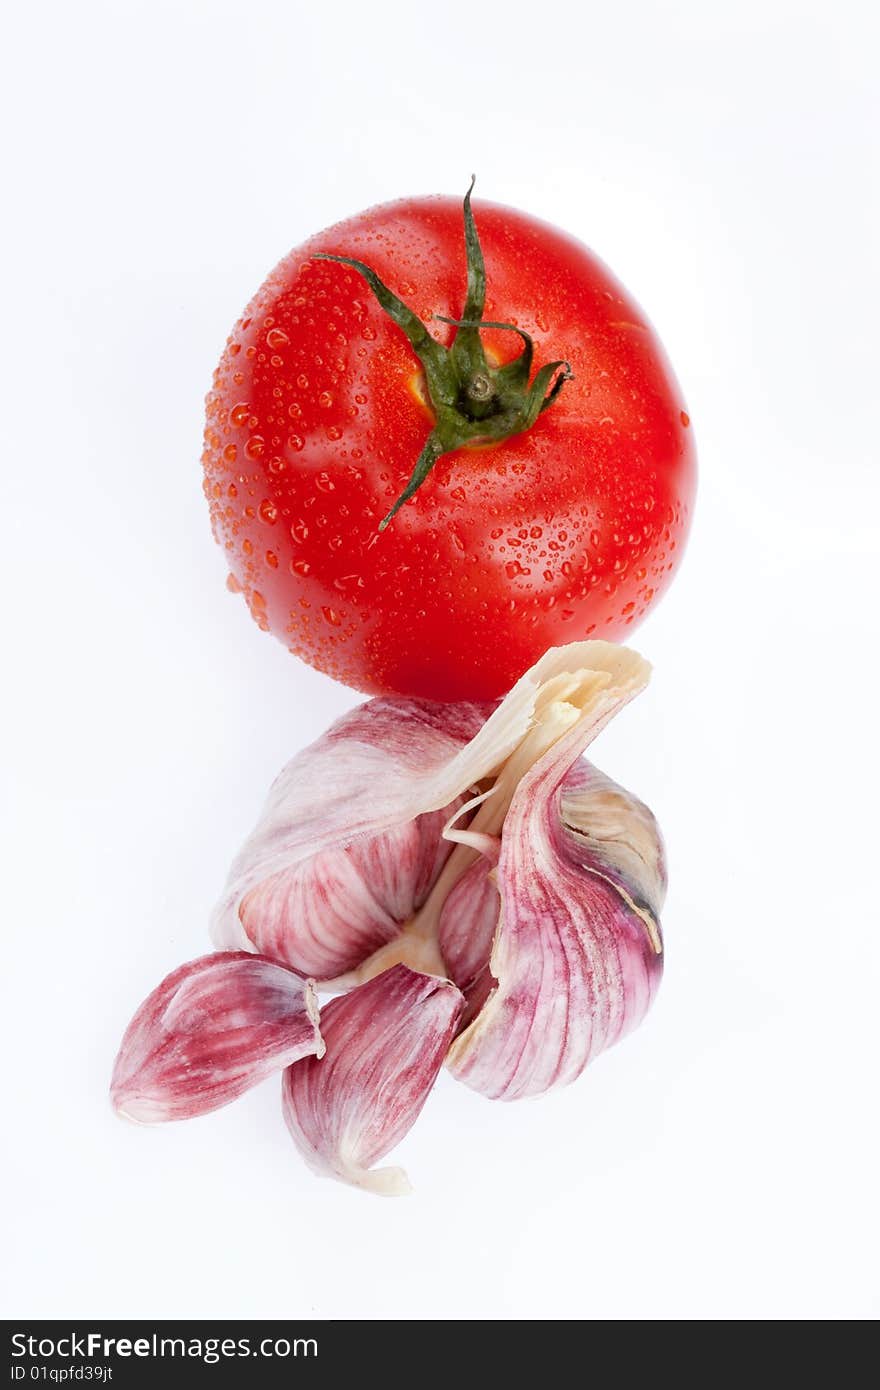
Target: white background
(722,1163)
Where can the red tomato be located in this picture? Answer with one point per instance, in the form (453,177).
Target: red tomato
(320,409)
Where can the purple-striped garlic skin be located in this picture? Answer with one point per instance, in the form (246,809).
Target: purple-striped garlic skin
(211,1030)
(346,850)
(326,914)
(601,832)
(466,931)
(577,955)
(386,1042)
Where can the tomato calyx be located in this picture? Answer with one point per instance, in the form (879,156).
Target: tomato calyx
(474,403)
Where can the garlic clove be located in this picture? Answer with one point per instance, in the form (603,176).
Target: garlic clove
(211,1030)
(577,952)
(349,842)
(324,915)
(608,830)
(386,1041)
(466,932)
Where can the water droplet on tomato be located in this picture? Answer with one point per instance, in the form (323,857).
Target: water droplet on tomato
(300,567)
(334,432)
(325,400)
(255,447)
(324,483)
(513,568)
(230,453)
(268,512)
(238,415)
(232,584)
(271,559)
(276,338)
(332,617)
(299,531)
(295,443)
(685,418)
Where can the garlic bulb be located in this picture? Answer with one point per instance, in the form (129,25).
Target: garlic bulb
(480,895)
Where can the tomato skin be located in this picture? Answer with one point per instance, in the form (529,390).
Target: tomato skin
(317,415)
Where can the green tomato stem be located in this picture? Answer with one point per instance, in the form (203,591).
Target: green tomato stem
(473,402)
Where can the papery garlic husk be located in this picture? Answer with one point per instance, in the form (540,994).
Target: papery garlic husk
(211,1030)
